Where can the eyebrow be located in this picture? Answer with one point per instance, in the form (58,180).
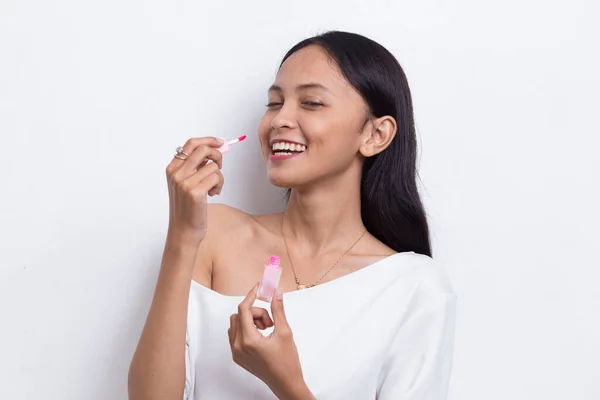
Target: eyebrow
(304,86)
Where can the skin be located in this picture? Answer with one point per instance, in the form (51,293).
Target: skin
(224,248)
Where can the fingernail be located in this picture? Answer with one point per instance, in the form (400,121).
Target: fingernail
(221,141)
(278,294)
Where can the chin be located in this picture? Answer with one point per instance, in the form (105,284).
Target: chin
(280,182)
(283,180)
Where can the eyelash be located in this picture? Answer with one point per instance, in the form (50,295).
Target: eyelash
(313,103)
(308,103)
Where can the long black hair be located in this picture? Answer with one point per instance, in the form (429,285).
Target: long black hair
(391,208)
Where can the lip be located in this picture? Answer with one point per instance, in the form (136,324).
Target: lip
(281,157)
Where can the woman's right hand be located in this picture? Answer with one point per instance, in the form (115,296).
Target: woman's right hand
(190,181)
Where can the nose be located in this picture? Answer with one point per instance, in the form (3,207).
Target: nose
(285,118)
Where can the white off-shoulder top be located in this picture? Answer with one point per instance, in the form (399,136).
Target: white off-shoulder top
(383,332)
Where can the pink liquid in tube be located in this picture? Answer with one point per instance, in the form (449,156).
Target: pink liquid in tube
(270,280)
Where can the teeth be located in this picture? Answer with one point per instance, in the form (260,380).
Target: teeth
(283,146)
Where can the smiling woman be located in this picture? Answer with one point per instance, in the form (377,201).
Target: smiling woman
(368,314)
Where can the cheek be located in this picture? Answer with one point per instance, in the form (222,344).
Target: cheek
(334,134)
(264,127)
(264,130)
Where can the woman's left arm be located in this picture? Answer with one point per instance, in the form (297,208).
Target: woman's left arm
(273,359)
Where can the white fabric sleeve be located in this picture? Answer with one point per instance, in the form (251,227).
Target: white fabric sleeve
(420,359)
(188,392)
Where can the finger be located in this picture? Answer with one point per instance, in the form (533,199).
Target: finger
(278,312)
(245,310)
(198,159)
(261,316)
(259,324)
(203,154)
(216,189)
(209,185)
(189,147)
(201,178)
(194,143)
(233,326)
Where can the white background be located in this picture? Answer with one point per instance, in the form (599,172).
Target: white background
(95,96)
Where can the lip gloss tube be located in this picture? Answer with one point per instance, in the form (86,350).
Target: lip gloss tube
(270,280)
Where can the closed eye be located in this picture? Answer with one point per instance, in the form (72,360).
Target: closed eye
(306,103)
(312,104)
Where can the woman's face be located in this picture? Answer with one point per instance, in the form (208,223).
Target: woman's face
(311,129)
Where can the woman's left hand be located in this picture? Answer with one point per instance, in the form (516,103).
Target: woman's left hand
(273,359)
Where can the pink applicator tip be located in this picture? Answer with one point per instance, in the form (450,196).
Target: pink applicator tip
(225,148)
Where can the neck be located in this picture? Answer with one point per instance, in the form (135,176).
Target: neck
(325,217)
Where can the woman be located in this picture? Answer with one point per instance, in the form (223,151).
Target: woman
(367,313)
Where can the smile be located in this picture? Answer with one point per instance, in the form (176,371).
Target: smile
(282,150)
(287,148)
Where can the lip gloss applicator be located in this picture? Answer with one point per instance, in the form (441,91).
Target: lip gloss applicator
(225,148)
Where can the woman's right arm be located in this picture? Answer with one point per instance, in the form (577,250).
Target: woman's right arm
(157,370)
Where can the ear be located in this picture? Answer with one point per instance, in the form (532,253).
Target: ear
(379,136)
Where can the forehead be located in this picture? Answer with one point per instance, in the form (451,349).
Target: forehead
(311,64)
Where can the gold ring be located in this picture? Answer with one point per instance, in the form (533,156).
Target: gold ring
(179,156)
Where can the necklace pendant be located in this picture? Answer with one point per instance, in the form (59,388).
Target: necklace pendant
(301,286)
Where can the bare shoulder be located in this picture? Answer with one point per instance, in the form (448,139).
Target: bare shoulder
(228,226)
(225,224)
(222,218)
(374,246)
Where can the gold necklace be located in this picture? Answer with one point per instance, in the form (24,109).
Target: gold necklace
(299,285)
